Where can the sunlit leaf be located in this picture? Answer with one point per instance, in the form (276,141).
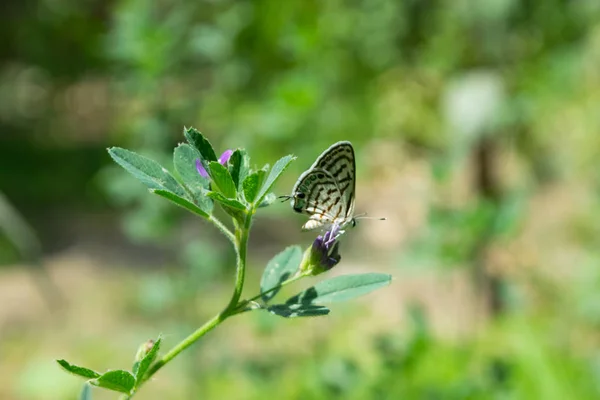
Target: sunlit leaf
(118,380)
(148,171)
(180,201)
(81,371)
(140,368)
(200,143)
(341,288)
(231,206)
(280,268)
(276,171)
(222,180)
(268,200)
(184,159)
(252,185)
(240,167)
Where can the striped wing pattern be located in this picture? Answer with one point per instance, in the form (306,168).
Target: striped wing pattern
(326,190)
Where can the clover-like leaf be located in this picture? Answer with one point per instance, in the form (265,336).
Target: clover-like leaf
(239,167)
(200,143)
(252,184)
(148,171)
(267,200)
(222,180)
(231,206)
(232,203)
(184,159)
(140,367)
(275,172)
(297,310)
(118,380)
(279,269)
(77,370)
(180,201)
(341,288)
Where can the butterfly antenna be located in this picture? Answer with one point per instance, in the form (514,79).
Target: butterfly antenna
(285,198)
(364,216)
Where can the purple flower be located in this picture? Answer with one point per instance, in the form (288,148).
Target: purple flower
(327,247)
(222,160)
(324,252)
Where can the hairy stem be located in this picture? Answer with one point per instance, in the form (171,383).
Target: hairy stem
(223,229)
(241,250)
(185,343)
(240,242)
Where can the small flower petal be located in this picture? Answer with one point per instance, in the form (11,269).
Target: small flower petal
(225,156)
(201,169)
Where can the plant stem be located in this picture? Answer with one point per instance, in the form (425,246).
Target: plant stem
(297,277)
(240,242)
(223,229)
(185,343)
(241,250)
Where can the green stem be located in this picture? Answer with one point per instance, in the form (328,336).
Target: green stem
(240,242)
(241,249)
(297,277)
(223,229)
(187,342)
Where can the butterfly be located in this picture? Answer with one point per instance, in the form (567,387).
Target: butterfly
(326,190)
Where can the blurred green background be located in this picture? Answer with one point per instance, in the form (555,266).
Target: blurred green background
(476,127)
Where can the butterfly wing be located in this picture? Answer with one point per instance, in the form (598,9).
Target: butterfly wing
(317,194)
(340,162)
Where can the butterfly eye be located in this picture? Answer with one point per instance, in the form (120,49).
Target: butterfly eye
(300,195)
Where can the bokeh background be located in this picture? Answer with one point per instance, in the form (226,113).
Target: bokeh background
(476,127)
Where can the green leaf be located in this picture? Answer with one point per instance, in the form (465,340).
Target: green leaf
(231,206)
(148,171)
(279,269)
(240,166)
(140,368)
(297,310)
(276,171)
(341,288)
(86,392)
(232,203)
(180,201)
(184,159)
(222,180)
(268,200)
(200,143)
(81,371)
(119,381)
(252,184)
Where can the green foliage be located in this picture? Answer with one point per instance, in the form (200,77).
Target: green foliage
(119,381)
(341,288)
(147,171)
(81,371)
(239,167)
(281,268)
(222,180)
(240,192)
(274,174)
(200,143)
(184,160)
(252,184)
(297,310)
(141,367)
(180,201)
